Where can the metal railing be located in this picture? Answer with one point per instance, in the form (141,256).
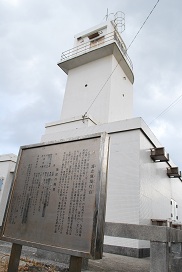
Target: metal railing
(165,243)
(97,43)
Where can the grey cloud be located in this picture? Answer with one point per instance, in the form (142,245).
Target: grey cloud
(34,33)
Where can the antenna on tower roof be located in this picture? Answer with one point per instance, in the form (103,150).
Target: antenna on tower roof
(117,18)
(107,15)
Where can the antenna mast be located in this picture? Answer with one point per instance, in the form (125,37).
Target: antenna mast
(117,18)
(107,14)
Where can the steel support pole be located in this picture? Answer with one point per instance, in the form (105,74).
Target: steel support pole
(75,264)
(14,258)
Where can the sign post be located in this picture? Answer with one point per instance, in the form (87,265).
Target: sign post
(14,258)
(75,264)
(58,197)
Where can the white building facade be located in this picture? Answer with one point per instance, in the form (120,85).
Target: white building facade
(99,98)
(7,167)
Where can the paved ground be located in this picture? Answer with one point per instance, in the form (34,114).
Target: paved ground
(117,263)
(110,262)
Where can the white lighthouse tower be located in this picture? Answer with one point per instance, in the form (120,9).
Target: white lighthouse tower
(99,98)
(99,85)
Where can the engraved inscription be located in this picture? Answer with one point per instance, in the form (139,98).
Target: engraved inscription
(53,199)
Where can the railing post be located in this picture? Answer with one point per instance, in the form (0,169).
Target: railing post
(159,257)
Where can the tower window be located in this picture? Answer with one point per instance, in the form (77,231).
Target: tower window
(97,42)
(94,35)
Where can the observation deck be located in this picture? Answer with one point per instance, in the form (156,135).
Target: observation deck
(97,48)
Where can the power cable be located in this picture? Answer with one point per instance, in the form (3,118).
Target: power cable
(143,24)
(100,90)
(85,114)
(164,111)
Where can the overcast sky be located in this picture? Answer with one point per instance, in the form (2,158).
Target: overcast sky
(34,33)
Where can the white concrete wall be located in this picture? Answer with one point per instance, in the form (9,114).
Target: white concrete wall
(138,189)
(7,166)
(155,186)
(123,183)
(176,194)
(115,101)
(78,97)
(91,84)
(123,176)
(123,172)
(121,96)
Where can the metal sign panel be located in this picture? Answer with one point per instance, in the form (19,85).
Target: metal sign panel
(58,196)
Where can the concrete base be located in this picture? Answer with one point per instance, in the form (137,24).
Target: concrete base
(176,265)
(176,257)
(127,251)
(159,259)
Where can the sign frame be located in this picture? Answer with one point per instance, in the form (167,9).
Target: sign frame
(96,241)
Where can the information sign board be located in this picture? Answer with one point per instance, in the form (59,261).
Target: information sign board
(58,196)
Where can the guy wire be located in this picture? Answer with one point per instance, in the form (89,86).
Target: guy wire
(85,114)
(170,106)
